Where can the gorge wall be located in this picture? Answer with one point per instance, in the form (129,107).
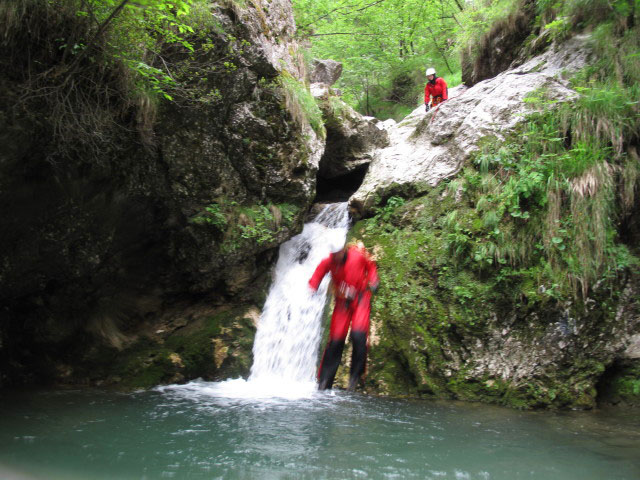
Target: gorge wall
(138,238)
(485,240)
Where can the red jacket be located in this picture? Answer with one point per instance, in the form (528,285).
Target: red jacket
(357,273)
(438,89)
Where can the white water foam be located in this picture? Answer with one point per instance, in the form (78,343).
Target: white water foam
(285,350)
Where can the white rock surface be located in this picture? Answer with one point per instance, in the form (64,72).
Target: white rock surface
(426,148)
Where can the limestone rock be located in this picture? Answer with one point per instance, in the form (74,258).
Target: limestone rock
(633,350)
(351,137)
(326,71)
(426,148)
(91,233)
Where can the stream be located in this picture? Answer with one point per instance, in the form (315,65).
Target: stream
(193,431)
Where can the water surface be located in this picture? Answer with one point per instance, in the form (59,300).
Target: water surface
(196,432)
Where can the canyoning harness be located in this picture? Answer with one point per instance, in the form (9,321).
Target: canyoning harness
(437,100)
(344,291)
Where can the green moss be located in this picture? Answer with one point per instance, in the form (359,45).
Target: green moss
(247,226)
(143,365)
(437,300)
(212,347)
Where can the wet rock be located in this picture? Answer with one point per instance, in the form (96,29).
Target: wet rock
(351,139)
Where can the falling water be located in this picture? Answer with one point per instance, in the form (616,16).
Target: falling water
(286,344)
(285,350)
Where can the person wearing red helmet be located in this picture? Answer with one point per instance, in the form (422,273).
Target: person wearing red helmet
(355,278)
(435,90)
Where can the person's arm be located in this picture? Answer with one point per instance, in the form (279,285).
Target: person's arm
(445,89)
(372,276)
(321,270)
(426,97)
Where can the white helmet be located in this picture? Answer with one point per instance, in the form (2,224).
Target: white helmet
(431,71)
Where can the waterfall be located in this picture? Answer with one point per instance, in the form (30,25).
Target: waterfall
(285,350)
(289,330)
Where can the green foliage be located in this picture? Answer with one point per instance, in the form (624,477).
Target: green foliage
(98,69)
(135,28)
(212,215)
(554,200)
(260,228)
(238,226)
(301,104)
(385,48)
(478,17)
(384,214)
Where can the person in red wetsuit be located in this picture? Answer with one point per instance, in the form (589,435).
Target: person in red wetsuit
(435,89)
(355,278)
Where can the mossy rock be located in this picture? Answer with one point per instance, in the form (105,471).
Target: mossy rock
(448,325)
(212,347)
(621,384)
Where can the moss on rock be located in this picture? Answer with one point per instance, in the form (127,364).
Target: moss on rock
(214,347)
(451,324)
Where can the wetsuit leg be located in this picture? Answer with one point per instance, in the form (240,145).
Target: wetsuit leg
(361,311)
(359,333)
(333,351)
(358,357)
(340,320)
(330,363)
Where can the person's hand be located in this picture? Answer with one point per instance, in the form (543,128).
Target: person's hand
(426,107)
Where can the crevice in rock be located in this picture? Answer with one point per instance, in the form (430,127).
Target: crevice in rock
(339,188)
(620,383)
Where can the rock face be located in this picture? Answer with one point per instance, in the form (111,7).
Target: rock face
(100,245)
(426,148)
(454,331)
(457,318)
(351,141)
(500,48)
(326,71)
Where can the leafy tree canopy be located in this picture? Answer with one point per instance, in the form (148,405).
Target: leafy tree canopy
(385,46)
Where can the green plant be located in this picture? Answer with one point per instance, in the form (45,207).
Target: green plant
(301,104)
(212,215)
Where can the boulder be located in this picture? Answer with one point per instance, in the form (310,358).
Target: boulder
(351,137)
(326,71)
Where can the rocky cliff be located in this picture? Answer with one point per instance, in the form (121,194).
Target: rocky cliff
(495,286)
(127,223)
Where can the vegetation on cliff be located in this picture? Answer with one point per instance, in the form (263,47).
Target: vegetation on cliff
(514,282)
(385,46)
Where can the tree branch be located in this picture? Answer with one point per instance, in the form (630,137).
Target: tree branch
(95,38)
(346,33)
(342,8)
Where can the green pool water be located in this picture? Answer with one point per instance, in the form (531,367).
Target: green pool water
(193,432)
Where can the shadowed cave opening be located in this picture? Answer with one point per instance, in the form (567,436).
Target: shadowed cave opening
(339,188)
